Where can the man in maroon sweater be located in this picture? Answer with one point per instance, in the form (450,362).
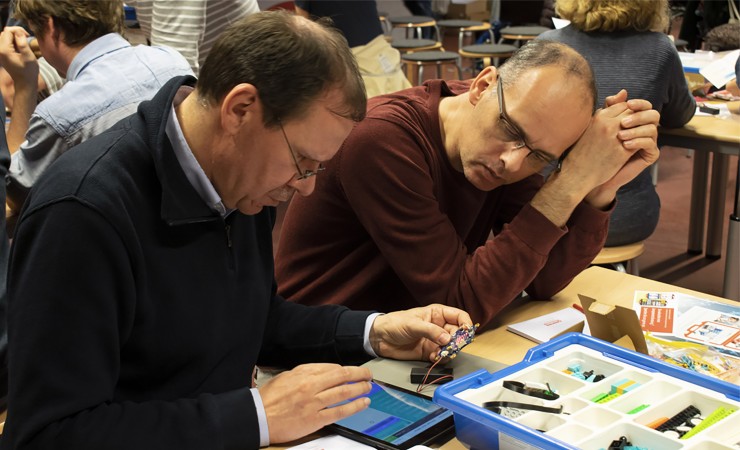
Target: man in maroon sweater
(402,215)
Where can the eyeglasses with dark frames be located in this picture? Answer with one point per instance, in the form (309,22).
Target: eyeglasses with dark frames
(535,158)
(302,173)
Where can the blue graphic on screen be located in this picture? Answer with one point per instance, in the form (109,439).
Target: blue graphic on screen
(395,416)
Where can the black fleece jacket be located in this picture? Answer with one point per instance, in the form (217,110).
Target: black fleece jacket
(136,313)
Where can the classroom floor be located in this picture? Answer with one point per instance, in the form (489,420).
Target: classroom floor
(665,258)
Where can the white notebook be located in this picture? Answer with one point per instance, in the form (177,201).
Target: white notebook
(543,328)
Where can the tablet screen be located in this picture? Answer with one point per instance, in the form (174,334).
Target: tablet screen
(396,419)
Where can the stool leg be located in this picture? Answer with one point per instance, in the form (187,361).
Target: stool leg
(439,70)
(421,75)
(409,72)
(633,268)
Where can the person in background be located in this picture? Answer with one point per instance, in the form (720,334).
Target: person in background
(548,12)
(379,63)
(419,7)
(4,254)
(141,281)
(422,8)
(189,26)
(106,80)
(49,80)
(700,17)
(624,43)
(403,215)
(732,84)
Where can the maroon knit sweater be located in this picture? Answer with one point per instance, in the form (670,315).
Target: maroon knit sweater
(391,225)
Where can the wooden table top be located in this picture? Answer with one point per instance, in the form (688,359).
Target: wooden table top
(602,284)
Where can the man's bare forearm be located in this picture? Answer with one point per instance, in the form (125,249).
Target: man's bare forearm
(24,103)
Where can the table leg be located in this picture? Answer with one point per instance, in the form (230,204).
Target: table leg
(717,195)
(698,202)
(731,286)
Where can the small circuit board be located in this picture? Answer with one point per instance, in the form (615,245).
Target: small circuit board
(462,337)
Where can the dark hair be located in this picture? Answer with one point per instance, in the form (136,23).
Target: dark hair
(541,52)
(81,21)
(290,60)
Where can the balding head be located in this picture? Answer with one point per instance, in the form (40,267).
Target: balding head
(540,53)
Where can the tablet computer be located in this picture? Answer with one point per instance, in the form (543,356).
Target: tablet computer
(396,419)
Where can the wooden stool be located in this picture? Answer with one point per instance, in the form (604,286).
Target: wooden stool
(517,34)
(415,45)
(431,58)
(385,23)
(487,52)
(464,26)
(681,45)
(620,256)
(415,22)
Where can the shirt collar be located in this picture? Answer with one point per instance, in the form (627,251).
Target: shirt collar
(193,171)
(94,50)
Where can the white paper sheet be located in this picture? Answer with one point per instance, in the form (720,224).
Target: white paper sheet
(721,71)
(333,442)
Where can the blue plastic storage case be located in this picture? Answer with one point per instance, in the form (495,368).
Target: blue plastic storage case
(666,389)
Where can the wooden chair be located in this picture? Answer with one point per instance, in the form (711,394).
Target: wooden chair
(623,257)
(489,53)
(415,23)
(518,34)
(415,45)
(385,23)
(420,60)
(681,45)
(465,26)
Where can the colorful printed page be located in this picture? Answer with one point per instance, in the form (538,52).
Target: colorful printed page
(677,316)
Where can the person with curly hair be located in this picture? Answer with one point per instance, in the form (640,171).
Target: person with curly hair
(623,40)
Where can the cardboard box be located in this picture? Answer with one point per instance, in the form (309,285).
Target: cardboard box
(614,323)
(483,16)
(465,10)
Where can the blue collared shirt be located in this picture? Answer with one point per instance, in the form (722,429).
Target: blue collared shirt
(106,81)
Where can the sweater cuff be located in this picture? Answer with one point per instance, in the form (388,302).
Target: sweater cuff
(590,219)
(350,336)
(536,230)
(239,419)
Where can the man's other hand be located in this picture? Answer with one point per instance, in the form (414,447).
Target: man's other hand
(301,401)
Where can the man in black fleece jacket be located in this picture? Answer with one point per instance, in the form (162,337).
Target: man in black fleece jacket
(141,284)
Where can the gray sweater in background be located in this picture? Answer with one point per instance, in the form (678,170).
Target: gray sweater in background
(647,65)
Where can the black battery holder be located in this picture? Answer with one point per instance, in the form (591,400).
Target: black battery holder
(418,374)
